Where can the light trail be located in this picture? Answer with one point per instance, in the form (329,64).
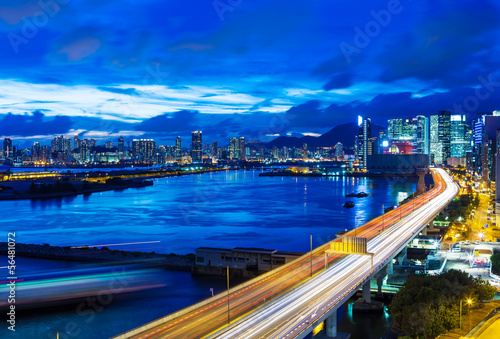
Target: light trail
(289,286)
(292,314)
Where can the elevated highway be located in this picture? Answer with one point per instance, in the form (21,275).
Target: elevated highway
(287,302)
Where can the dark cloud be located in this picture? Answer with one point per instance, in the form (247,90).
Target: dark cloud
(180,121)
(341,80)
(34,124)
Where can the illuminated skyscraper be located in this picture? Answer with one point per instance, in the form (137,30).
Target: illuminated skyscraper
(458,137)
(234,148)
(7,148)
(178,148)
(440,137)
(365,133)
(196,146)
(242,154)
(215,154)
(422,135)
(121,148)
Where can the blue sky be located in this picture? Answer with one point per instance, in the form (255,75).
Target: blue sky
(253,68)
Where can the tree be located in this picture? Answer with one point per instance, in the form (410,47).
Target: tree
(427,306)
(495,263)
(483,289)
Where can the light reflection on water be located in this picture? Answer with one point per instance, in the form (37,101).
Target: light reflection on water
(225,209)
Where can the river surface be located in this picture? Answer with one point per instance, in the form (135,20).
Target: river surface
(225,209)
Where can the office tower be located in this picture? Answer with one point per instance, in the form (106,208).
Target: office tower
(339,151)
(196,146)
(214,149)
(121,148)
(409,129)
(36,151)
(458,136)
(7,148)
(440,137)
(60,145)
(304,152)
(365,133)
(76,142)
(484,146)
(234,148)
(395,129)
(178,148)
(109,144)
(144,150)
(242,154)
(422,135)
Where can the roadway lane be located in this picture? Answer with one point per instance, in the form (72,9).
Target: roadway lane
(290,315)
(209,317)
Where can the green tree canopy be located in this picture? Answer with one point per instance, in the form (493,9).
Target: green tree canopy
(427,306)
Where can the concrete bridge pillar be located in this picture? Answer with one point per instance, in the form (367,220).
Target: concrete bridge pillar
(367,292)
(331,325)
(390,268)
(431,225)
(424,231)
(402,256)
(380,282)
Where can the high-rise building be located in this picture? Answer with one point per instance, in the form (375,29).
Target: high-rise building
(109,144)
(395,129)
(76,142)
(304,152)
(459,131)
(339,151)
(144,150)
(8,151)
(234,148)
(196,146)
(409,130)
(60,145)
(215,154)
(422,135)
(484,146)
(440,137)
(365,133)
(121,148)
(242,154)
(178,147)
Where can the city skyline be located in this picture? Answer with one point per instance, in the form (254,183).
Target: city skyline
(231,74)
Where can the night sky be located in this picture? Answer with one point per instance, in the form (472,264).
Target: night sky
(252,68)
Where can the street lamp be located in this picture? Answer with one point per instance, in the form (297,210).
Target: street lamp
(468,302)
(311,252)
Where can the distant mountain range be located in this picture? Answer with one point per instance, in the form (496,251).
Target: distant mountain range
(342,133)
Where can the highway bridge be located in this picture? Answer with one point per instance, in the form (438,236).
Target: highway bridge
(288,302)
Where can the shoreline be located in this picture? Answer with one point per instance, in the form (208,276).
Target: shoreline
(171,261)
(133,180)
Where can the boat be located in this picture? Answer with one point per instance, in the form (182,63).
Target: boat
(356,195)
(349,204)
